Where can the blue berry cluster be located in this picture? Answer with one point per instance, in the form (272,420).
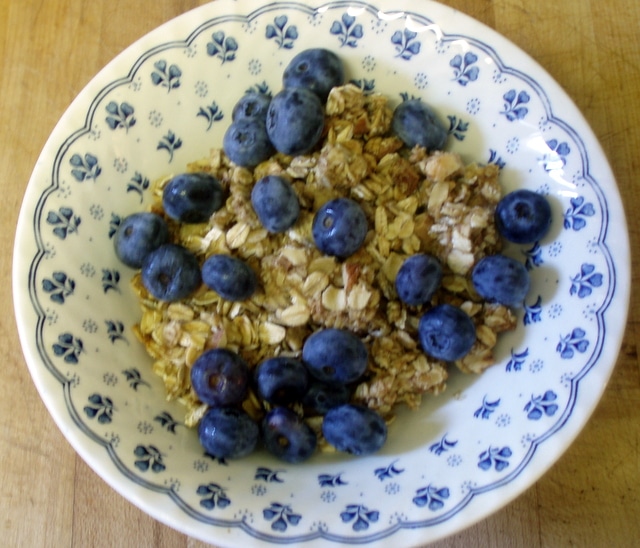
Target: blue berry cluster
(321,381)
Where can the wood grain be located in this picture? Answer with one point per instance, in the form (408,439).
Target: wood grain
(51,49)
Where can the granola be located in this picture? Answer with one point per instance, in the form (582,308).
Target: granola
(415,202)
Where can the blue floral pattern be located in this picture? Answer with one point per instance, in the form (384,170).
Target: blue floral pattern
(168,107)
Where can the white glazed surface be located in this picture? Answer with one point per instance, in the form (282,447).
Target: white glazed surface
(166,101)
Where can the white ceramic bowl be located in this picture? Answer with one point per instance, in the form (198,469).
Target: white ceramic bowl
(164,102)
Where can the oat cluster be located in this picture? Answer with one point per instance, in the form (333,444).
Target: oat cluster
(415,202)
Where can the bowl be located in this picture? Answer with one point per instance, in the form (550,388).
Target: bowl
(166,101)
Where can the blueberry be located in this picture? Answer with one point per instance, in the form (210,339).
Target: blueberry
(335,355)
(281,380)
(418,279)
(354,429)
(446,332)
(138,235)
(247,143)
(416,124)
(295,120)
(339,227)
(501,279)
(229,277)
(523,216)
(227,433)
(275,203)
(316,69)
(220,377)
(251,106)
(171,273)
(322,396)
(287,436)
(192,197)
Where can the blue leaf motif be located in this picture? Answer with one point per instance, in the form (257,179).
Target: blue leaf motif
(134,378)
(167,421)
(513,105)
(582,284)
(542,405)
(149,457)
(59,287)
(68,348)
(222,47)
(405,44)
(360,515)
(64,221)
(346,31)
(283,36)
(120,116)
(457,128)
(170,143)
(281,516)
(85,167)
(166,76)
(495,457)
(100,407)
(213,496)
(212,113)
(431,497)
(138,184)
(464,72)
(571,343)
(575,216)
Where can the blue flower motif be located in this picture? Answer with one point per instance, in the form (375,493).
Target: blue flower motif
(167,421)
(85,167)
(59,287)
(69,348)
(517,360)
(260,88)
(360,515)
(148,457)
(574,216)
(110,280)
(166,76)
(533,313)
(101,407)
(388,471)
(583,283)
(367,86)
(574,341)
(284,36)
(134,378)
(281,516)
(115,331)
(464,72)
(487,408)
(405,44)
(328,480)
(120,116)
(495,159)
(114,223)
(224,48)
(431,497)
(268,475)
(211,113)
(457,128)
(495,457)
(533,256)
(170,143)
(346,31)
(542,405)
(513,109)
(442,446)
(213,495)
(138,183)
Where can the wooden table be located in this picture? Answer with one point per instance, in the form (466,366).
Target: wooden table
(51,49)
